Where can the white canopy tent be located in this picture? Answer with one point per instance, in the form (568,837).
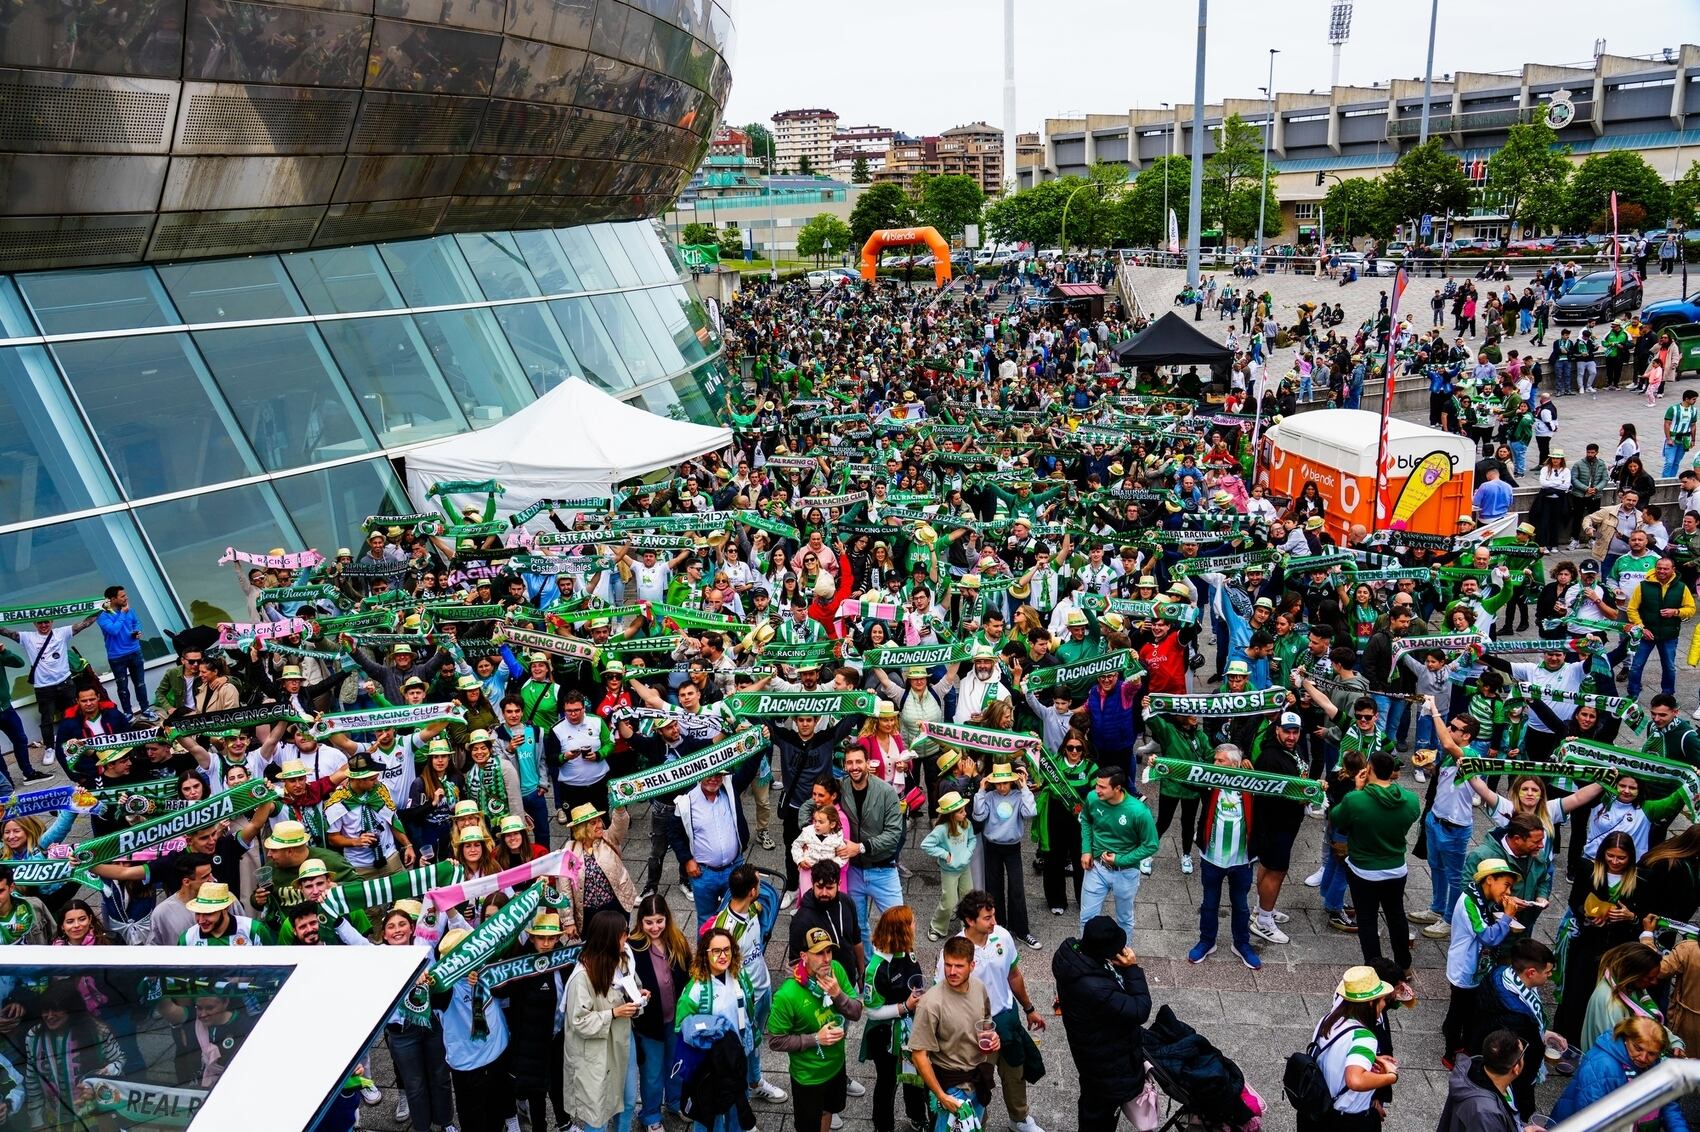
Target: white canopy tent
(574,442)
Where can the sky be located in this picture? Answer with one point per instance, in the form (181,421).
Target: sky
(922,66)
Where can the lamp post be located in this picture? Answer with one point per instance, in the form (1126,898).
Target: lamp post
(1428,74)
(1168,152)
(1195,192)
(1268,136)
(1062,239)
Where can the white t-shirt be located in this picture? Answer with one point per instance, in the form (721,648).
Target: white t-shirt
(1358,1048)
(992,964)
(55,664)
(396,768)
(347,820)
(651,581)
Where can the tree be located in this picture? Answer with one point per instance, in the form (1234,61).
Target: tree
(1143,221)
(823,235)
(1355,206)
(698,234)
(859,170)
(731,242)
(1238,160)
(1239,218)
(949,203)
(881,206)
(1527,164)
(1685,197)
(1096,214)
(805,167)
(1588,198)
(1426,179)
(761,144)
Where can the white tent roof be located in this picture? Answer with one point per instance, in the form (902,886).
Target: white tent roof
(1347,439)
(575,441)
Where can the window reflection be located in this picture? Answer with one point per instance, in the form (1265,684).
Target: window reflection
(190,534)
(591,344)
(614,255)
(156,413)
(327,505)
(548,261)
(228,290)
(429,273)
(539,344)
(48,463)
(586,257)
(342,280)
(77,302)
(629,336)
(400,392)
(282,384)
(659,331)
(474,359)
(498,265)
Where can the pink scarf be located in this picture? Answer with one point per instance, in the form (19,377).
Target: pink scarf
(86,984)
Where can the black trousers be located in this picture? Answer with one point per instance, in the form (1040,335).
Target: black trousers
(885,1091)
(1457,1021)
(556,1092)
(1006,884)
(792,823)
(1385,898)
(1189,817)
(1062,859)
(484,1097)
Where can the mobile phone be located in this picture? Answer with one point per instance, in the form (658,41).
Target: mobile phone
(263,877)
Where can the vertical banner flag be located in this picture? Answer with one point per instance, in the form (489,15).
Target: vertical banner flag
(1383,500)
(1174,234)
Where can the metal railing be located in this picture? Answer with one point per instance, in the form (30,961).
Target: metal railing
(1423,266)
(1622,1108)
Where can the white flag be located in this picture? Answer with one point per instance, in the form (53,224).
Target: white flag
(1174,233)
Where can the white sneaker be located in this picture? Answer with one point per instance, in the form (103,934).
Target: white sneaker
(1145,867)
(1314,810)
(788,902)
(1268,932)
(1186,863)
(1314,880)
(402,1111)
(837,1121)
(371,1094)
(766,1090)
(1028,1125)
(1440,929)
(1279,916)
(1422,776)
(854,1088)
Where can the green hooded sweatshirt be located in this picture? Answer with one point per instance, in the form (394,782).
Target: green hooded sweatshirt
(1375,821)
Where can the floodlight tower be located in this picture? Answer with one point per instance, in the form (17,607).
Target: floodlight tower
(1339,30)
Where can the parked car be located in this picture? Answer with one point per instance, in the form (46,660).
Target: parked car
(1599,296)
(832,277)
(1671,312)
(1397,249)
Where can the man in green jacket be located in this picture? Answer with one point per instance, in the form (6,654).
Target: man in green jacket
(1376,819)
(1588,479)
(1116,834)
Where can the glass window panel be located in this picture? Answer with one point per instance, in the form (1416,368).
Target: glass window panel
(430,273)
(548,262)
(231,290)
(630,337)
(641,242)
(658,330)
(614,255)
(268,43)
(190,534)
(600,361)
(686,320)
(76,302)
(593,273)
(15,320)
(343,280)
(541,347)
(52,465)
(156,412)
(474,359)
(662,400)
(328,506)
(283,386)
(498,265)
(80,559)
(399,389)
(693,392)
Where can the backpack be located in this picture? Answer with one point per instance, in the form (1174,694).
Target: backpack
(1306,1085)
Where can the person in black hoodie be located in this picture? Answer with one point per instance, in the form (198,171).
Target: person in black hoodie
(1104,1003)
(537,1044)
(823,906)
(802,753)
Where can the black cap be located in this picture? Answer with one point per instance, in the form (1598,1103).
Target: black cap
(1102,938)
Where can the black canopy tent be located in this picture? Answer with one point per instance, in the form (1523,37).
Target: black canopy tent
(1172,341)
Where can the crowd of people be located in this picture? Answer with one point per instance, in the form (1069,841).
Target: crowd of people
(961,595)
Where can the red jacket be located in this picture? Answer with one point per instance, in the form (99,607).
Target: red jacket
(1165,665)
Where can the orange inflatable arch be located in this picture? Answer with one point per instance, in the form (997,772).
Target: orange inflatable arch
(897,237)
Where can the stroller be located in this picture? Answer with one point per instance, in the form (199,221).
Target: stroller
(1207,1091)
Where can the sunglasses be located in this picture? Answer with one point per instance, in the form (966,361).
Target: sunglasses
(1073,747)
(1366,719)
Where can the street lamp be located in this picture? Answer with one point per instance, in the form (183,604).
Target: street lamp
(1168,152)
(1428,74)
(1195,190)
(1268,136)
(1062,239)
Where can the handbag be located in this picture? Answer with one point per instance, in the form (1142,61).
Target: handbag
(1145,1112)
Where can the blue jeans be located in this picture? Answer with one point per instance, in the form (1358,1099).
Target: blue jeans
(882,888)
(1102,881)
(1519,451)
(657,1085)
(128,667)
(1392,711)
(760,1010)
(622,1121)
(1425,732)
(1525,321)
(1667,665)
(1333,874)
(1561,375)
(1673,459)
(537,809)
(708,891)
(1239,908)
(1447,847)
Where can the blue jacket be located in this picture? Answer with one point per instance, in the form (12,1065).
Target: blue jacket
(116,628)
(1604,1068)
(1112,718)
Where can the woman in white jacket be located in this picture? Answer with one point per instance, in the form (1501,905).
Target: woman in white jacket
(602,1000)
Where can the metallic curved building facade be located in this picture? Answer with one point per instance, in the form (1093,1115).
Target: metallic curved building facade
(252,254)
(158,130)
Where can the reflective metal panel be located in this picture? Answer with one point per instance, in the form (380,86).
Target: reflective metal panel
(537,72)
(432,60)
(225,118)
(42,112)
(416,123)
(564,22)
(115,37)
(187,235)
(398,177)
(197,183)
(481,15)
(33,184)
(234,41)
